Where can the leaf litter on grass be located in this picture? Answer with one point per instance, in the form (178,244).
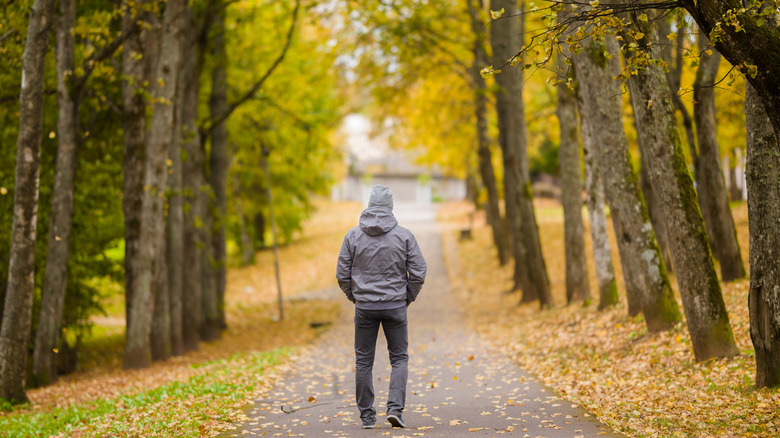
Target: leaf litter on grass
(307,264)
(639,383)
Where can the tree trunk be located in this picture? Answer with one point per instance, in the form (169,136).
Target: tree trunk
(194,182)
(602,254)
(138,352)
(47,338)
(219,158)
(486,171)
(183,132)
(705,311)
(161,320)
(577,287)
(135,73)
(647,284)
(674,78)
(712,195)
(651,199)
(763,182)
(17,310)
(512,137)
(210,318)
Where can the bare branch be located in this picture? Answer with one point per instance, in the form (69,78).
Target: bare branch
(206,128)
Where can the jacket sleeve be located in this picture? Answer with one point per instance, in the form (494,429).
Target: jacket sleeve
(416,269)
(344,269)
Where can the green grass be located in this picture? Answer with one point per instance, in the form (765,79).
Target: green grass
(182,407)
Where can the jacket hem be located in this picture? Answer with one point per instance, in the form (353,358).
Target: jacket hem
(379,305)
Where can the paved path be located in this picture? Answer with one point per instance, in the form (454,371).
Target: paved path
(459,386)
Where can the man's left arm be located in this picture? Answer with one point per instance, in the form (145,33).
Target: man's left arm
(416,269)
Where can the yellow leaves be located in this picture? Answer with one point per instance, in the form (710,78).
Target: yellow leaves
(312,399)
(52,134)
(488,71)
(671,36)
(594,3)
(471,357)
(495,15)
(678,339)
(643,18)
(454,377)
(3,191)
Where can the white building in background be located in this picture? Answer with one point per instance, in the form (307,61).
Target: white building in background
(371,161)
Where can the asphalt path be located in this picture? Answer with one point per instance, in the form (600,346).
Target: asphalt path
(459,384)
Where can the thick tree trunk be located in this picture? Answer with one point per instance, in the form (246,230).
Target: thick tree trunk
(577,287)
(512,137)
(705,311)
(763,183)
(47,338)
(651,198)
(486,171)
(647,284)
(219,160)
(602,254)
(138,352)
(184,132)
(134,71)
(17,311)
(712,195)
(654,210)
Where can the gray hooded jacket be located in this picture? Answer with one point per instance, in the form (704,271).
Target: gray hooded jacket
(380,265)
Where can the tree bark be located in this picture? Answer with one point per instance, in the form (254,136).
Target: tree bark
(138,351)
(135,72)
(161,319)
(705,311)
(577,288)
(47,338)
(194,182)
(602,254)
(17,310)
(763,183)
(512,137)
(486,171)
(647,284)
(651,199)
(219,160)
(674,78)
(712,195)
(184,131)
(259,230)
(210,317)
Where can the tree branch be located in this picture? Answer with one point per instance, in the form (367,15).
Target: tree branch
(207,128)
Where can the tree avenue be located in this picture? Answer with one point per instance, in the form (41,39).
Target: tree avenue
(139,178)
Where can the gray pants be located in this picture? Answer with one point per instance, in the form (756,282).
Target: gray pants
(366,329)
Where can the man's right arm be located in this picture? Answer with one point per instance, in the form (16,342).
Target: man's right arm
(344,269)
(416,268)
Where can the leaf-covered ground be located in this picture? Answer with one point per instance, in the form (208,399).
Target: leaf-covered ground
(641,384)
(203,390)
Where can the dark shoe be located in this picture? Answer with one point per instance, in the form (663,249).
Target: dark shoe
(396,420)
(370,425)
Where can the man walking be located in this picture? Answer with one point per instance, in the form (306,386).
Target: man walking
(381,270)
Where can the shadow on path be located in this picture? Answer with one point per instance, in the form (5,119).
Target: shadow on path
(459,386)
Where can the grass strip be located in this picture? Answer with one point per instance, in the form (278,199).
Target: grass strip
(189,408)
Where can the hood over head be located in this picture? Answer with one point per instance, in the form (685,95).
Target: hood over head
(381,196)
(377,220)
